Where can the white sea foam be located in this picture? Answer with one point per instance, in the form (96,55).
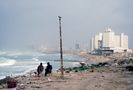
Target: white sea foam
(1,52)
(30,70)
(6,62)
(35,59)
(14,53)
(30,62)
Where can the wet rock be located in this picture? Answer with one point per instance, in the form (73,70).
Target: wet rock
(7,79)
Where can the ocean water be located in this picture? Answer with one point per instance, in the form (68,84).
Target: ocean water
(17,63)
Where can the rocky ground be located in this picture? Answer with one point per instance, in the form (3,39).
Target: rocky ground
(114,76)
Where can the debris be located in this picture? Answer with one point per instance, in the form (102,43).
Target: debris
(20,86)
(82,63)
(49,80)
(11,84)
(129,68)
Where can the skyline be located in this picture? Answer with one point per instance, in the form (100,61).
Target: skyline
(109,40)
(35,23)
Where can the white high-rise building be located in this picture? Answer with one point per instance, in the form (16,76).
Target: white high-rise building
(96,39)
(108,40)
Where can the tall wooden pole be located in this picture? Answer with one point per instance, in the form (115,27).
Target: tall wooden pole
(61,51)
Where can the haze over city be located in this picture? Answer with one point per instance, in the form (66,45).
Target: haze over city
(25,23)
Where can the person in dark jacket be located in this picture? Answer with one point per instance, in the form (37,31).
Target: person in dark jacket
(40,69)
(48,69)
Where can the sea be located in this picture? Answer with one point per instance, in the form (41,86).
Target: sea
(13,63)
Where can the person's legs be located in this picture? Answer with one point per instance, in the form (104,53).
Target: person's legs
(46,72)
(38,73)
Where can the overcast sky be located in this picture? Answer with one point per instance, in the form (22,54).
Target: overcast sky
(25,23)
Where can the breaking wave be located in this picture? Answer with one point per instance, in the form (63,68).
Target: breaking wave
(1,53)
(6,62)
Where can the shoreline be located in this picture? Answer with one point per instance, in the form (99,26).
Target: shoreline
(31,69)
(88,59)
(114,76)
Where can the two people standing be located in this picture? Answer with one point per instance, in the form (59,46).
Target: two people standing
(48,69)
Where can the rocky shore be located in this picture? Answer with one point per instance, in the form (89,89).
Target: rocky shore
(108,73)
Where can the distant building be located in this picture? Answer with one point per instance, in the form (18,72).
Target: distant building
(77,46)
(109,41)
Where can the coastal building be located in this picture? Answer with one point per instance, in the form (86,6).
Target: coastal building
(77,46)
(109,41)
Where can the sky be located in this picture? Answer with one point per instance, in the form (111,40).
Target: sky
(34,23)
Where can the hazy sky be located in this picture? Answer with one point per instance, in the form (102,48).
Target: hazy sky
(25,23)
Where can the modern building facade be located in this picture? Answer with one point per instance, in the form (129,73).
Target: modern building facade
(108,40)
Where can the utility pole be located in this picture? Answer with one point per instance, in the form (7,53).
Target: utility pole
(61,51)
